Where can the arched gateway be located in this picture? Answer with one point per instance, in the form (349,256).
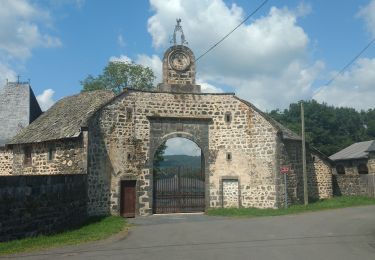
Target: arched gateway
(179,189)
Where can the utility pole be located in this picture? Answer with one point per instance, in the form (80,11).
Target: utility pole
(304,173)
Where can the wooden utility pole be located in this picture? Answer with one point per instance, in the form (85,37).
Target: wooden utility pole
(304,173)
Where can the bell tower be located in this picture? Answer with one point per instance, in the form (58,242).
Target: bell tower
(179,66)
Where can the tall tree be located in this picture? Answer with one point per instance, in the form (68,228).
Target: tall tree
(118,75)
(329,128)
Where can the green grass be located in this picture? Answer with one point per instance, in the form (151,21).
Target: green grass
(94,229)
(334,203)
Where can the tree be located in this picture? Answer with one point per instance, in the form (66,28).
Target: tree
(329,128)
(118,75)
(159,156)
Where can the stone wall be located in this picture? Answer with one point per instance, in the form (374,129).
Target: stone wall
(31,205)
(6,161)
(121,136)
(230,193)
(347,185)
(69,157)
(371,163)
(319,175)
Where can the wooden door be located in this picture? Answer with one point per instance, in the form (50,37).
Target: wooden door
(127,199)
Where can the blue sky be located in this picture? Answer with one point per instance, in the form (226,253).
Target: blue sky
(283,54)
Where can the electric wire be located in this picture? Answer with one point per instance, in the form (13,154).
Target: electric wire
(227,35)
(345,67)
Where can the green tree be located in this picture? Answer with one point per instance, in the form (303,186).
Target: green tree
(159,156)
(329,128)
(118,75)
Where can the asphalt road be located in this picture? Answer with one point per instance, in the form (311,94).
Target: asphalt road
(334,234)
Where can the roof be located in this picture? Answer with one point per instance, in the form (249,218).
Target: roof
(354,151)
(372,147)
(65,118)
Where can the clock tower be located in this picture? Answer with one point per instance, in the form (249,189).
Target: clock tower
(179,67)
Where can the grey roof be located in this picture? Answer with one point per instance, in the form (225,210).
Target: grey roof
(354,151)
(371,148)
(64,119)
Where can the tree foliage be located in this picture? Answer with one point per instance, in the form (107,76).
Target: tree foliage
(328,128)
(159,157)
(118,75)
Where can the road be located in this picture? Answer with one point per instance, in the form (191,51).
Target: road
(335,234)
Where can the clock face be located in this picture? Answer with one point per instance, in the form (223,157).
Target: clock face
(179,60)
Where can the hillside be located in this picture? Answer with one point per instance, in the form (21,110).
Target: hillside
(180,160)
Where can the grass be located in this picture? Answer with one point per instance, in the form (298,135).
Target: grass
(334,203)
(94,229)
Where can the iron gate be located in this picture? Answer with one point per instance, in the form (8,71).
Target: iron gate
(178,189)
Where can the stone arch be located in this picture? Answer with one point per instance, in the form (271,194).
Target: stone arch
(195,130)
(168,136)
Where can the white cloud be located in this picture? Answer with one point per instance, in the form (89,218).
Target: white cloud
(45,99)
(20,29)
(121,58)
(6,73)
(354,88)
(178,146)
(208,88)
(120,40)
(154,63)
(368,14)
(77,3)
(266,61)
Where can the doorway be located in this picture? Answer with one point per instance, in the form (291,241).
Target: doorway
(128,199)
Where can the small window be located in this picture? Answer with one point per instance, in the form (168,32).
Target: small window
(362,168)
(129,114)
(340,169)
(229,156)
(27,159)
(51,153)
(129,157)
(228,117)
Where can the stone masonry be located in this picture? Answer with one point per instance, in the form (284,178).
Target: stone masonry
(121,147)
(18,108)
(230,193)
(6,161)
(68,158)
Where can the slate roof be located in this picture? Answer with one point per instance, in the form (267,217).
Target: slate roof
(354,151)
(372,147)
(65,118)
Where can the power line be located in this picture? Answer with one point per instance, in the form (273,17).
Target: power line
(349,63)
(226,36)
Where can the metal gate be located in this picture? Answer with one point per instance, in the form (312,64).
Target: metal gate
(178,189)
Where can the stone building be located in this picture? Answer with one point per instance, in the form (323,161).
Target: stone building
(354,169)
(18,108)
(357,158)
(113,140)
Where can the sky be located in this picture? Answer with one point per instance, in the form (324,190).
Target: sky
(286,52)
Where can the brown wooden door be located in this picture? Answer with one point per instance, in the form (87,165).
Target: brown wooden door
(127,199)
